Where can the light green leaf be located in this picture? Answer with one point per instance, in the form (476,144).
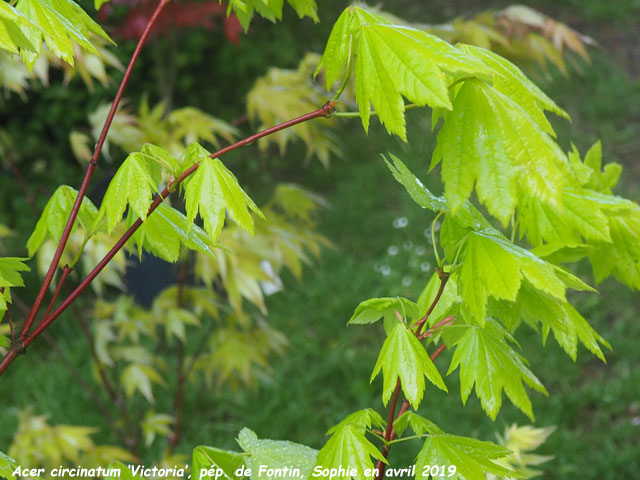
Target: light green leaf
(471,458)
(132,184)
(9,271)
(363,418)
(61,23)
(573,328)
(11,37)
(349,449)
(418,424)
(165,230)
(372,310)
(212,460)
(139,377)
(489,140)
(418,192)
(393,61)
(510,81)
(403,357)
(486,359)
(210,191)
(282,456)
(493,266)
(269,9)
(155,424)
(7,466)
(55,215)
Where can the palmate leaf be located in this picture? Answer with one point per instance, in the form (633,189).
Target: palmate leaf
(139,377)
(211,191)
(278,455)
(509,80)
(55,215)
(491,141)
(472,458)
(536,307)
(11,37)
(7,466)
(134,185)
(270,9)
(403,357)
(166,230)
(10,268)
(493,266)
(486,359)
(205,458)
(350,450)
(393,61)
(372,310)
(61,23)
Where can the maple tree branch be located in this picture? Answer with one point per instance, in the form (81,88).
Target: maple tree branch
(65,273)
(93,163)
(390,432)
(444,277)
(325,111)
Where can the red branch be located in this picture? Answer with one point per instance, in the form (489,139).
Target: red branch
(87,177)
(390,432)
(326,110)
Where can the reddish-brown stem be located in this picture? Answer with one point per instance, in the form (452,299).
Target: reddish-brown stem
(326,110)
(88,174)
(443,283)
(13,333)
(65,273)
(441,323)
(390,432)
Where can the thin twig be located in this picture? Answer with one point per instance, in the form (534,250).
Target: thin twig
(326,110)
(93,163)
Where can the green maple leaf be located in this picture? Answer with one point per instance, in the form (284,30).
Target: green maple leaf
(573,328)
(61,23)
(10,268)
(55,215)
(349,449)
(491,141)
(509,80)
(276,454)
(372,310)
(211,191)
(418,424)
(403,357)
(165,230)
(204,458)
(7,466)
(392,62)
(270,9)
(11,37)
(471,458)
(493,266)
(134,184)
(486,360)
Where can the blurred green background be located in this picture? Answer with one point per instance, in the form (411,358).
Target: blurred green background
(325,373)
